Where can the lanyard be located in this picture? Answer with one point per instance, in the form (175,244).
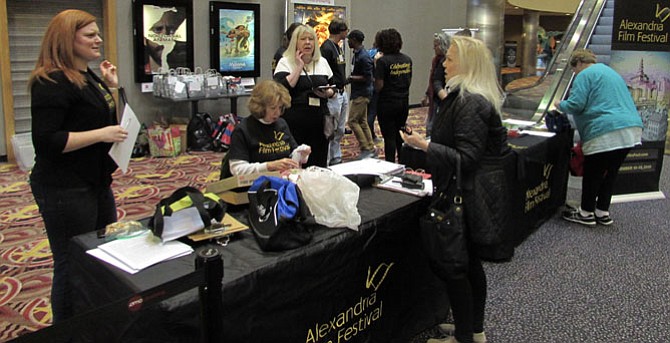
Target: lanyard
(306,74)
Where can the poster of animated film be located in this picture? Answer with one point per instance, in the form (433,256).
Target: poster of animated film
(647,75)
(318,17)
(165,38)
(236,44)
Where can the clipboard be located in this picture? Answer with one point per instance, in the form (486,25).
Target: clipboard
(230,224)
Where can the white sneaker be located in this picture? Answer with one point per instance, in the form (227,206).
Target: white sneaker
(479,337)
(448,329)
(450,339)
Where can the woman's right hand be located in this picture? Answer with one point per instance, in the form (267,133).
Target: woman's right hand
(298,59)
(282,164)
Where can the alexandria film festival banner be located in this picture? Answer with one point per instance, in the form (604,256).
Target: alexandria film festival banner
(641,55)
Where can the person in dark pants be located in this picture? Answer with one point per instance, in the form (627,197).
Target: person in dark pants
(393,77)
(361,91)
(468,127)
(609,125)
(435,91)
(302,71)
(74,124)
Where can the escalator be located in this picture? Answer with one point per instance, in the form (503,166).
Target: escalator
(591,27)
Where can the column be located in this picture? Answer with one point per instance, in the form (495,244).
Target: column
(489,17)
(531,23)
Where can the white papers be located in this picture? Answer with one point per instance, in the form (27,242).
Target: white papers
(370,166)
(121,151)
(539,133)
(394,184)
(134,254)
(181,223)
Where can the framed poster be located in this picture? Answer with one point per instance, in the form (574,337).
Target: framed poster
(163,34)
(318,17)
(235,44)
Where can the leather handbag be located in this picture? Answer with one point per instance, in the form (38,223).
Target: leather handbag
(443,232)
(329,126)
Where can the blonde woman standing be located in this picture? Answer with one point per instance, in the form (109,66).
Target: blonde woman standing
(302,71)
(468,126)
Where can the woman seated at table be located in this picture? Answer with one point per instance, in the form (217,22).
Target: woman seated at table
(263,142)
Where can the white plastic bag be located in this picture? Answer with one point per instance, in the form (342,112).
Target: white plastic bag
(331,197)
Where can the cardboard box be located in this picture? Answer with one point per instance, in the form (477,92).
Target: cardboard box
(240,197)
(233,190)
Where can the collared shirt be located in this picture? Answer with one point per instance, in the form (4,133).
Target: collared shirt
(362,66)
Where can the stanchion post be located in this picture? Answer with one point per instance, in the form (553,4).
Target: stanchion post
(210,294)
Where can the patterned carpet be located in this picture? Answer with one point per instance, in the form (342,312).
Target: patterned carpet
(25,259)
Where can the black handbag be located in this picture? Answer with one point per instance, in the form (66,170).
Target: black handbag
(556,121)
(278,214)
(443,232)
(209,206)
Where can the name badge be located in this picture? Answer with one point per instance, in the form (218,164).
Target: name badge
(314,101)
(340,58)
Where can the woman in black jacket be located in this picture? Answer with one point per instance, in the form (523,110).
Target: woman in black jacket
(74,124)
(468,126)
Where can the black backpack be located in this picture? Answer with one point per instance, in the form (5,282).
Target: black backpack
(199,132)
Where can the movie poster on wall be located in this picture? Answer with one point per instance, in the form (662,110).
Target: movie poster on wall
(318,17)
(234,41)
(163,36)
(641,55)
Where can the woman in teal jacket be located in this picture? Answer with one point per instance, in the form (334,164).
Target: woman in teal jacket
(609,126)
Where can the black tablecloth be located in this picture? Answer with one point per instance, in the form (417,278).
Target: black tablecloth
(537,182)
(345,286)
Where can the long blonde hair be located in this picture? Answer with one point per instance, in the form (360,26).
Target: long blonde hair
(476,71)
(293,44)
(57,51)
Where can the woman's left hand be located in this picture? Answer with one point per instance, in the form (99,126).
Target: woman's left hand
(324,93)
(414,140)
(109,73)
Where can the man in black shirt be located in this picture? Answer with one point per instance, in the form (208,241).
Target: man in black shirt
(338,104)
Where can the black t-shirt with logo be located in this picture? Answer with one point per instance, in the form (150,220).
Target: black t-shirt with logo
(254,141)
(396,71)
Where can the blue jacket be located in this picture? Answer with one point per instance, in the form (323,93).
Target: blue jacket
(600,102)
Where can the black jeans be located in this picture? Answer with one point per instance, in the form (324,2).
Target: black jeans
(600,171)
(392,115)
(467,296)
(68,212)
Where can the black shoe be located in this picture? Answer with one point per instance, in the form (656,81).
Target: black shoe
(604,220)
(368,154)
(576,217)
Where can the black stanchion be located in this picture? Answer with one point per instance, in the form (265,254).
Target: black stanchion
(211,294)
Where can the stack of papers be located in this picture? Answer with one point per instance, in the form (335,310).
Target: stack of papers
(368,166)
(134,254)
